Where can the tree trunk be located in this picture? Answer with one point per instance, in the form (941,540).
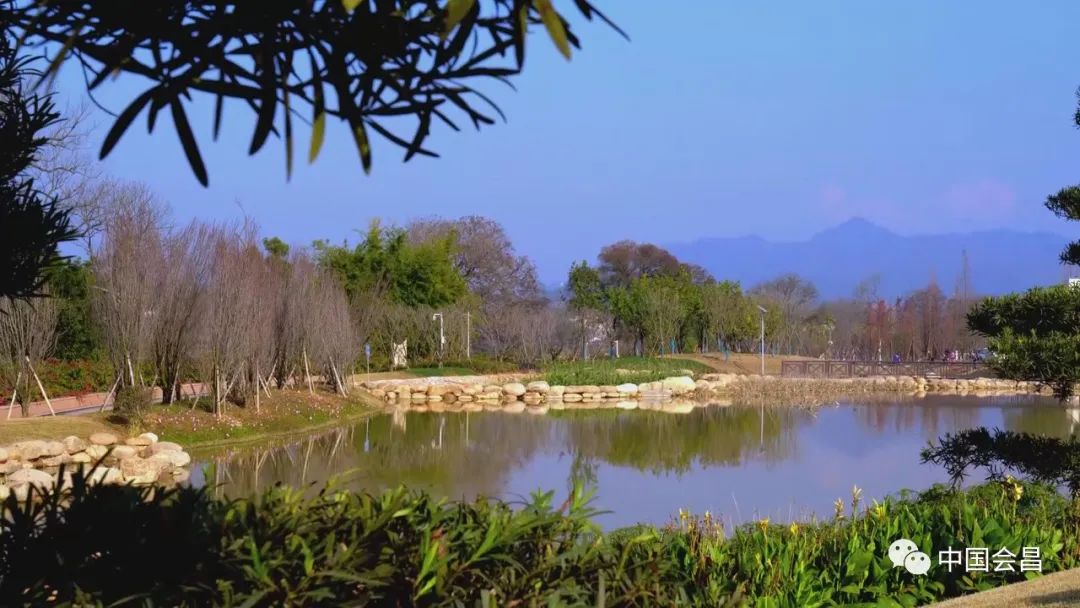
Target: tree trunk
(307,373)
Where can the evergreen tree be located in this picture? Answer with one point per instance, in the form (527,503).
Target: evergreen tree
(32,226)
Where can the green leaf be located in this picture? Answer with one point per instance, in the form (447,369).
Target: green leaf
(187,140)
(455,12)
(318,133)
(362,145)
(123,121)
(553,23)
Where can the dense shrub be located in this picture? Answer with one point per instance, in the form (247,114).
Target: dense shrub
(62,378)
(402,548)
(132,402)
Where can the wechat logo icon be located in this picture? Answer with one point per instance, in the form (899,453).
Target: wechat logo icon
(903,552)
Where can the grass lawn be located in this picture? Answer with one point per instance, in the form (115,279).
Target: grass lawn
(618,371)
(286,411)
(55,427)
(429,372)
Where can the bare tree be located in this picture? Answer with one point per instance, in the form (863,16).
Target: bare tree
(27,335)
(126,266)
(485,257)
(181,279)
(231,303)
(331,327)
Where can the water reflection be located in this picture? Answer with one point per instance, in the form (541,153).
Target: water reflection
(743,461)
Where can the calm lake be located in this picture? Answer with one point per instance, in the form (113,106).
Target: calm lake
(739,462)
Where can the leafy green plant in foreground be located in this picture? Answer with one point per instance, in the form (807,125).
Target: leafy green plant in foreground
(183,547)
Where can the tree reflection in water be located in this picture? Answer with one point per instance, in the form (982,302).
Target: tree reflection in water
(470,454)
(463,455)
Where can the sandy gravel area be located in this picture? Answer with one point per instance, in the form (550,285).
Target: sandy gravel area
(1051,591)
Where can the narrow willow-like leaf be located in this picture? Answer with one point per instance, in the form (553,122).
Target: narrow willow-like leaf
(363,146)
(553,23)
(187,140)
(123,121)
(455,12)
(318,133)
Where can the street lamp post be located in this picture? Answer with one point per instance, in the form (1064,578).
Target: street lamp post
(762,310)
(468,335)
(442,338)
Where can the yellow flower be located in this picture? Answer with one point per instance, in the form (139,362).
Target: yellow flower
(683,515)
(763,524)
(1014,490)
(879,510)
(794,528)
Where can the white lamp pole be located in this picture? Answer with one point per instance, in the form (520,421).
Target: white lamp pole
(763,311)
(468,335)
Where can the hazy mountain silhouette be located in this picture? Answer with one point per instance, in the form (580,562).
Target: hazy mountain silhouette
(837,259)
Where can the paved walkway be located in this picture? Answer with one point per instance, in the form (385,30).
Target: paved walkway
(89,402)
(1051,591)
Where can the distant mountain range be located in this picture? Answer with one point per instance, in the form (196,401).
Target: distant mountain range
(837,259)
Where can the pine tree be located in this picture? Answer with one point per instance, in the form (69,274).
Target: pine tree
(31,225)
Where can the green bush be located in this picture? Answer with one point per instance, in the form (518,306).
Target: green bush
(617,371)
(464,367)
(400,548)
(133,401)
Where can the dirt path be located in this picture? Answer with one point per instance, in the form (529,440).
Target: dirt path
(1051,591)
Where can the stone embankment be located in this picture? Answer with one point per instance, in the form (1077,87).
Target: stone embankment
(815,391)
(141,460)
(474,394)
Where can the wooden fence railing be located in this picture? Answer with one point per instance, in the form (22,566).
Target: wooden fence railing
(858,369)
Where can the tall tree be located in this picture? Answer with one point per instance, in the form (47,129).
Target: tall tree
(484,256)
(624,261)
(726,312)
(32,225)
(1034,335)
(420,274)
(587,296)
(793,295)
(1066,205)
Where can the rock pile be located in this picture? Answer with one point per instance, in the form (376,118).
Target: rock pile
(733,384)
(436,396)
(141,460)
(442,394)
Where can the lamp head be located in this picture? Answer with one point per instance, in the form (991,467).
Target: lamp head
(762,309)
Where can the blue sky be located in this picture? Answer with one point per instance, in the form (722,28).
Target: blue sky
(718,118)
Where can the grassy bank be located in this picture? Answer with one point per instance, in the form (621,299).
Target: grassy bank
(617,371)
(285,411)
(406,548)
(49,427)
